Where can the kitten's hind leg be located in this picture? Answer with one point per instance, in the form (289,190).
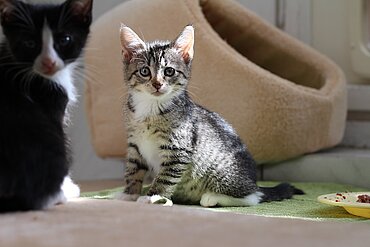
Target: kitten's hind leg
(211,199)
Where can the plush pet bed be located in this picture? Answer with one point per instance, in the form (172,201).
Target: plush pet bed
(283,98)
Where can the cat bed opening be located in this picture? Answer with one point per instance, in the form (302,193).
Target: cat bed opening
(251,42)
(283,98)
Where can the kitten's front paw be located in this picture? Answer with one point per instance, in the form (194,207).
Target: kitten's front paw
(126,197)
(155,199)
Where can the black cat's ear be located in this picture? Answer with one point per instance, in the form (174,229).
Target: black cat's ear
(81,9)
(185,43)
(6,9)
(130,42)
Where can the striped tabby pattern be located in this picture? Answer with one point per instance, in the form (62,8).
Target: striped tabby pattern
(194,155)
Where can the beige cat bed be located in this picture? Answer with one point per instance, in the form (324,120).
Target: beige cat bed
(283,98)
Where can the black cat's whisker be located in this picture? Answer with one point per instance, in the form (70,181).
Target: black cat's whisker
(84,73)
(5,58)
(26,82)
(13,63)
(28,77)
(19,68)
(91,73)
(94,49)
(81,77)
(92,69)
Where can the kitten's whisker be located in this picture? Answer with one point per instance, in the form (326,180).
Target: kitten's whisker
(124,94)
(193,95)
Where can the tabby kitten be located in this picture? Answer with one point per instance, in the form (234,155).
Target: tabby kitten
(194,154)
(38,58)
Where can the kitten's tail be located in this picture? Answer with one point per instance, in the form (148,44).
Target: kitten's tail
(280,192)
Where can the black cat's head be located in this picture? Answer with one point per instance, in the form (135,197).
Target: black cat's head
(46,37)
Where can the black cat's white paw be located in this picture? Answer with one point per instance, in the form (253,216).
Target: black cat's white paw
(70,189)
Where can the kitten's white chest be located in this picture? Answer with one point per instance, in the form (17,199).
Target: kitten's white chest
(149,149)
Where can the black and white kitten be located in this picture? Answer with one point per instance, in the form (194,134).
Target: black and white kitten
(195,155)
(38,57)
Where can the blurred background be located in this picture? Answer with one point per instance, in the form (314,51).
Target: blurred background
(340,29)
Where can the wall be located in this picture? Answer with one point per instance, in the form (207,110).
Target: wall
(86,165)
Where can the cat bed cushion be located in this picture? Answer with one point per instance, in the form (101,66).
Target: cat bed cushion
(283,98)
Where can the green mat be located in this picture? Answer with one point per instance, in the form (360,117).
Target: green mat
(301,206)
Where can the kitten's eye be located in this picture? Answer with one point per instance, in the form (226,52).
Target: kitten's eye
(29,44)
(169,71)
(144,72)
(65,40)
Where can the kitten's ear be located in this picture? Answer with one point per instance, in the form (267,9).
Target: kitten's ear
(185,43)
(81,8)
(130,42)
(6,9)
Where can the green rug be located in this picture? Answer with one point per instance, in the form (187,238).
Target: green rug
(300,207)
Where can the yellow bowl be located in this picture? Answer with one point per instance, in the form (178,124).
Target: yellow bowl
(363,212)
(348,200)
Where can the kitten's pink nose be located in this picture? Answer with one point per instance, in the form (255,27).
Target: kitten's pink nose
(157,85)
(48,65)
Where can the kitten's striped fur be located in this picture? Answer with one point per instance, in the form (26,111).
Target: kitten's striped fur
(194,154)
